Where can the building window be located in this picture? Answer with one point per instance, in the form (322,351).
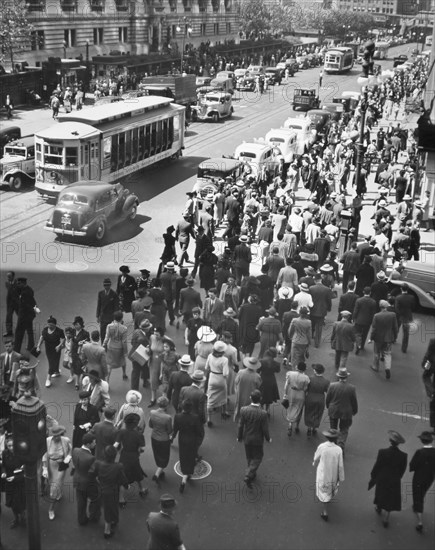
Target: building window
(202,4)
(216,28)
(98,35)
(202,29)
(228,28)
(121,5)
(123,34)
(69,5)
(173,5)
(35,5)
(215,5)
(96,5)
(187,4)
(69,36)
(37,40)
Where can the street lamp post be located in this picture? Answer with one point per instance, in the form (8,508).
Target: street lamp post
(187,29)
(87,51)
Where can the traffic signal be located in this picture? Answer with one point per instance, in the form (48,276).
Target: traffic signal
(367,64)
(29,429)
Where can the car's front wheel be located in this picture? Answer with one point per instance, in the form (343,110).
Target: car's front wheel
(133,212)
(16,182)
(100,231)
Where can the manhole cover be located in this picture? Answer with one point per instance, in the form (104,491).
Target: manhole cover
(72,266)
(202,470)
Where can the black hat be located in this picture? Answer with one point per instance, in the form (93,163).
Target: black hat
(79,320)
(22,280)
(132,418)
(84,394)
(167,501)
(124,269)
(51,320)
(95,374)
(88,438)
(107,281)
(145,272)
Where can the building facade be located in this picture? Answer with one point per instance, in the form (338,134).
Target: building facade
(88,28)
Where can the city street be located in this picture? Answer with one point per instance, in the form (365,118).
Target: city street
(281,511)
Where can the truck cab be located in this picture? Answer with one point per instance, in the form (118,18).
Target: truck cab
(17,166)
(213,106)
(305,99)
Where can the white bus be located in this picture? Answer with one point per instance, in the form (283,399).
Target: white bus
(107,142)
(338,60)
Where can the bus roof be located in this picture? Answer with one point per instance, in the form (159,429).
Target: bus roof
(71,130)
(128,108)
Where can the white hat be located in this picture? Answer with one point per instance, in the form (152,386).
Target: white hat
(133,395)
(285,293)
(206,334)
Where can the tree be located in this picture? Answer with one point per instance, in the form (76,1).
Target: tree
(15,29)
(254,18)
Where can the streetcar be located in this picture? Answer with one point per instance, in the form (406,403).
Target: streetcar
(107,142)
(338,60)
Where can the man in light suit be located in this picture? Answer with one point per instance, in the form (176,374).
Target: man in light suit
(213,312)
(85,484)
(107,304)
(342,405)
(104,432)
(253,430)
(94,355)
(99,390)
(322,303)
(342,339)
(383,333)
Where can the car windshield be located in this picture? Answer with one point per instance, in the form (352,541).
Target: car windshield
(276,140)
(212,99)
(315,118)
(16,151)
(247,154)
(72,197)
(295,126)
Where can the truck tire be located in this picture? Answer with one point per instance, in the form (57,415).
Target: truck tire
(215,117)
(16,182)
(100,231)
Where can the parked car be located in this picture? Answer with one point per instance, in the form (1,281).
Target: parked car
(213,106)
(224,75)
(256,70)
(90,208)
(420,278)
(274,75)
(17,167)
(336,109)
(223,84)
(399,60)
(212,170)
(306,136)
(285,141)
(203,81)
(305,99)
(303,62)
(319,120)
(240,73)
(259,156)
(246,84)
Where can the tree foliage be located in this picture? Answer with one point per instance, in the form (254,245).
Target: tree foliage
(15,29)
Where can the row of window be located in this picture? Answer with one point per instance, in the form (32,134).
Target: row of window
(141,143)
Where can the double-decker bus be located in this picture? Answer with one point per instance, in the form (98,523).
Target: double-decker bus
(338,60)
(107,142)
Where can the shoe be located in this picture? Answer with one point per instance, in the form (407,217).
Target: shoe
(47,383)
(357,351)
(122,505)
(51,515)
(297,430)
(108,535)
(155,479)
(374,369)
(124,377)
(162,475)
(209,423)
(324,516)
(388,374)
(55,375)
(177,326)
(152,403)
(70,379)
(182,487)
(419,527)
(290,431)
(143,493)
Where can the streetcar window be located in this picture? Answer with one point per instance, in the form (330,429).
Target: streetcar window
(248,155)
(171,132)
(128,147)
(141,144)
(121,150)
(71,156)
(115,152)
(165,135)
(53,155)
(153,138)
(134,145)
(147,140)
(158,136)
(38,152)
(17,151)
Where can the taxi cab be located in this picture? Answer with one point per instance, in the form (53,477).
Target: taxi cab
(212,170)
(258,156)
(306,136)
(285,141)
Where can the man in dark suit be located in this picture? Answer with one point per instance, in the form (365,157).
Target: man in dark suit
(189,298)
(379,289)
(365,309)
(348,300)
(85,484)
(164,531)
(95,355)
(26,313)
(9,364)
(213,312)
(383,334)
(322,301)
(342,405)
(242,259)
(387,474)
(405,305)
(365,276)
(195,394)
(126,289)
(105,432)
(11,302)
(342,339)
(169,278)
(107,304)
(179,380)
(139,337)
(253,430)
(232,210)
(145,313)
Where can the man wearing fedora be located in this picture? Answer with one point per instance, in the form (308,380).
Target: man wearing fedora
(253,430)
(189,299)
(404,306)
(168,279)
(138,304)
(27,310)
(191,331)
(93,355)
(104,432)
(107,304)
(423,466)
(379,289)
(247,380)
(351,262)
(179,380)
(303,297)
(365,309)
(342,405)
(163,529)
(287,276)
(342,339)
(249,315)
(183,233)
(386,475)
(322,304)
(145,313)
(196,395)
(242,259)
(213,311)
(384,331)
(300,334)
(125,289)
(140,337)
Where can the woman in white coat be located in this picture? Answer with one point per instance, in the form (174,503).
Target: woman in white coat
(328,459)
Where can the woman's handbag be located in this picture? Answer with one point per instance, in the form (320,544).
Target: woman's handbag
(63,466)
(285,403)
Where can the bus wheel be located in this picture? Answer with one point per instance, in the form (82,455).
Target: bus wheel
(215,117)
(16,182)
(100,231)
(133,213)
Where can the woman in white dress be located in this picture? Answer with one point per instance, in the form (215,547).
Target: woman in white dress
(296,385)
(115,344)
(328,459)
(217,370)
(55,464)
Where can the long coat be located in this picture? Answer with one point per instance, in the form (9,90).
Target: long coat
(246,382)
(126,292)
(386,474)
(249,315)
(343,336)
